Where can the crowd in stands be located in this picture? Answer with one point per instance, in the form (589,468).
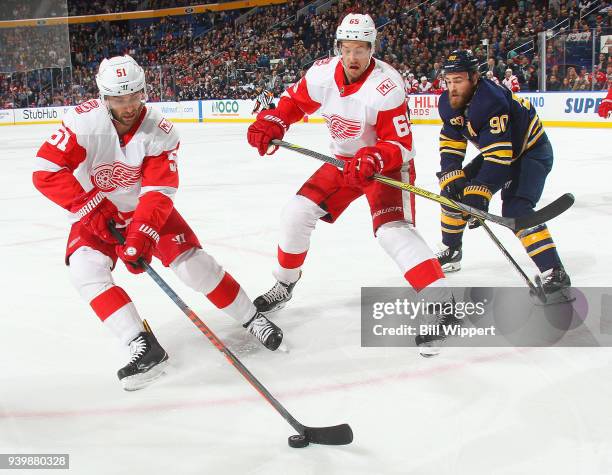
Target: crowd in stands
(228,54)
(22,9)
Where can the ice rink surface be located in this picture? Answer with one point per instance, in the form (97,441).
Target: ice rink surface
(468,411)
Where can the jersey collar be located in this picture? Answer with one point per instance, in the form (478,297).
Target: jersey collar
(125,138)
(348,89)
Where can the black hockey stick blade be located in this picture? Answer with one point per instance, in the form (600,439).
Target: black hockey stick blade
(550,211)
(334,435)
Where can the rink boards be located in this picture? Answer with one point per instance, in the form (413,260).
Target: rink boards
(557,109)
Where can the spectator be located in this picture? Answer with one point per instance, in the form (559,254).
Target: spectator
(572,78)
(553,84)
(179,50)
(566,85)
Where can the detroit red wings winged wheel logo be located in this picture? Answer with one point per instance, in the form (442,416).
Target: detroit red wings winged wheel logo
(342,128)
(108,176)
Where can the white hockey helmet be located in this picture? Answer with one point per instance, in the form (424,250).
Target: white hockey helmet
(119,76)
(356,27)
(423,78)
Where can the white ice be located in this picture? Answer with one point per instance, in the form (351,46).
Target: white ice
(469,411)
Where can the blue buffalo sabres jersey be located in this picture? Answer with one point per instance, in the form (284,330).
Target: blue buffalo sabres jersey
(497,122)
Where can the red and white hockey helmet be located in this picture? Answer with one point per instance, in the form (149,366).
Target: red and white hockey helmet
(119,76)
(356,27)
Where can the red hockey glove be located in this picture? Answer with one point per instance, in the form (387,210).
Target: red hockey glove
(476,196)
(95,211)
(359,170)
(266,127)
(605,108)
(140,242)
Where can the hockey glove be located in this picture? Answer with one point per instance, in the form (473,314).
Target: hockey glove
(95,211)
(605,108)
(452,183)
(359,170)
(140,242)
(476,196)
(266,127)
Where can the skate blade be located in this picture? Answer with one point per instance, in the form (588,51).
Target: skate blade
(427,350)
(274,310)
(429,353)
(283,347)
(140,381)
(555,299)
(451,267)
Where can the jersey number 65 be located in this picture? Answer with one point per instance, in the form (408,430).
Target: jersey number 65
(402,126)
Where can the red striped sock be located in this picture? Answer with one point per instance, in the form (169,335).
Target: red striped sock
(109,301)
(225,292)
(291,261)
(423,274)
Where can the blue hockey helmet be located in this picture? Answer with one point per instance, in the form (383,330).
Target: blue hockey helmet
(461,60)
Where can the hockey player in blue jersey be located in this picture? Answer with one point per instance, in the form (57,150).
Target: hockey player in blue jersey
(515,157)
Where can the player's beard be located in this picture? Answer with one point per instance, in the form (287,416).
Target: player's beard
(460,100)
(128,122)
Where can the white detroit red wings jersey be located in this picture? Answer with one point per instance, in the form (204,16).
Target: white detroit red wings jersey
(411,86)
(86,151)
(370,112)
(512,83)
(424,87)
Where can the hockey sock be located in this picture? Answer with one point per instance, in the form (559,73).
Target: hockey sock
(116,310)
(402,242)
(298,220)
(200,271)
(90,273)
(540,246)
(452,225)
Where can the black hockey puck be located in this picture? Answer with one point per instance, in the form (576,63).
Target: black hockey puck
(298,441)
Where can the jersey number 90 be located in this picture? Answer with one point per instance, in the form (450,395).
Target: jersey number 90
(498,123)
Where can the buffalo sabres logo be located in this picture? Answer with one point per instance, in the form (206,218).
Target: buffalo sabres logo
(457,121)
(341,128)
(108,176)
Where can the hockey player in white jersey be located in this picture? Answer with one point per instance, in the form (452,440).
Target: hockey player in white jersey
(411,85)
(114,158)
(491,77)
(363,102)
(424,85)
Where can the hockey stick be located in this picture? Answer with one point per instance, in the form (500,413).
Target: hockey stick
(540,216)
(333,435)
(535,290)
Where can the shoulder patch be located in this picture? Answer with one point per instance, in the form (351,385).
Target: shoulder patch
(165,125)
(386,86)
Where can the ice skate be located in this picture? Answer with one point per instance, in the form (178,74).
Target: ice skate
(275,298)
(147,363)
(450,258)
(265,331)
(556,285)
